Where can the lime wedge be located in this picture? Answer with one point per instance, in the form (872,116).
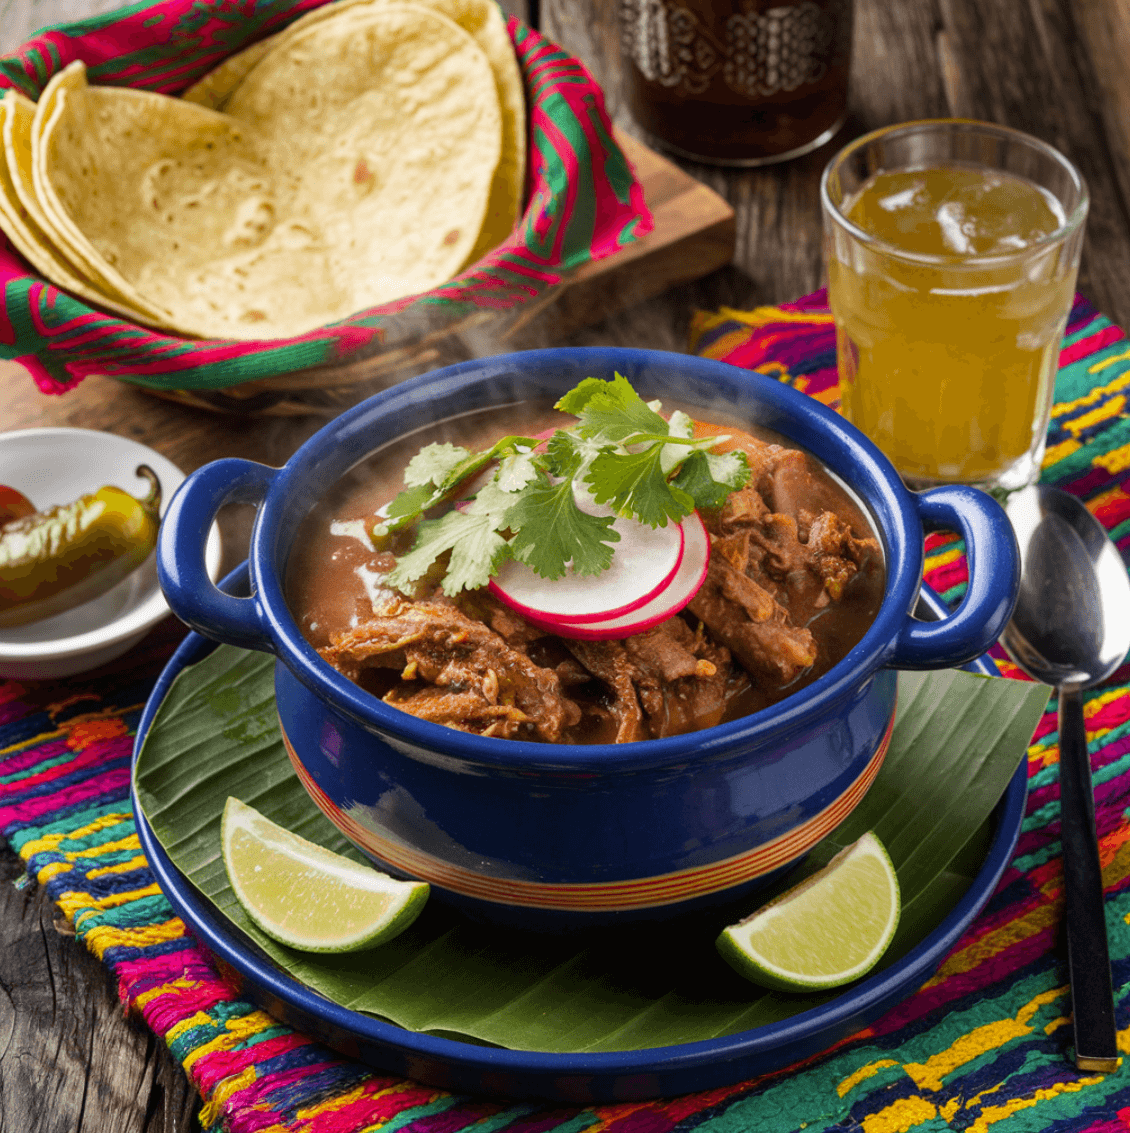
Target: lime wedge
(828,930)
(307,896)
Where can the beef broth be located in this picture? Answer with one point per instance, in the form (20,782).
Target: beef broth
(796,577)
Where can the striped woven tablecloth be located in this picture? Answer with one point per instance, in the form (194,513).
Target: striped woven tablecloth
(983,1045)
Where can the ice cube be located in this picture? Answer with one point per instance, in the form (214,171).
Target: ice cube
(951,220)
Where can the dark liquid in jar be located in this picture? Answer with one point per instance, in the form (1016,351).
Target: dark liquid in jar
(737,81)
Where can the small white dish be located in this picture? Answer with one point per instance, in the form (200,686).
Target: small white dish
(56,466)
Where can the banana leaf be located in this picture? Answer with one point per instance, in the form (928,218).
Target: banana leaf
(956,742)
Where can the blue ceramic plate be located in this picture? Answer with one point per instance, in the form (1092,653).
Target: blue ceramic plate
(581,1079)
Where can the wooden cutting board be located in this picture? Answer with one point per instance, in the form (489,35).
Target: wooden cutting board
(693,235)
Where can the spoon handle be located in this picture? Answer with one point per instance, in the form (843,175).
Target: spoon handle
(1088,955)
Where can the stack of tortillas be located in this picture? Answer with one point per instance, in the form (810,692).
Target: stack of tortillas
(367,153)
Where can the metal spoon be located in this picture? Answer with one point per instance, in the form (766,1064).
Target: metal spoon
(1071,629)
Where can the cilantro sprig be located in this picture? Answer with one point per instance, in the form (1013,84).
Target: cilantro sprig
(622,453)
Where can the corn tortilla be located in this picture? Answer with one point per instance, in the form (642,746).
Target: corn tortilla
(68,237)
(483,20)
(155,188)
(213,89)
(358,172)
(22,224)
(409,99)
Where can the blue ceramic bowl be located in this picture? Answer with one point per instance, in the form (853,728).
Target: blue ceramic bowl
(548,835)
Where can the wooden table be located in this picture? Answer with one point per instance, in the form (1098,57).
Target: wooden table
(69,1060)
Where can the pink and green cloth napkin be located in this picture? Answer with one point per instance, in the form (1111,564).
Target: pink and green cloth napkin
(982,1047)
(583,203)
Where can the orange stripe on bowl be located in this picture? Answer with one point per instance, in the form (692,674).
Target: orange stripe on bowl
(632,893)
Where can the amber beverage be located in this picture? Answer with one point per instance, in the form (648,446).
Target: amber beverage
(952,250)
(737,82)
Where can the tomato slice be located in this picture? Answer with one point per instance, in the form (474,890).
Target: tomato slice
(14,504)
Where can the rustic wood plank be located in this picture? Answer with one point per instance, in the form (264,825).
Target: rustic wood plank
(21,19)
(70,1061)
(1104,34)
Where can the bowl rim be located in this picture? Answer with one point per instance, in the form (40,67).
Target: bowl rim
(871,477)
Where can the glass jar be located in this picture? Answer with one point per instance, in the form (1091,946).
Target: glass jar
(737,82)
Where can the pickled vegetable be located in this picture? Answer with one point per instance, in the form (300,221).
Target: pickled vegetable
(54,560)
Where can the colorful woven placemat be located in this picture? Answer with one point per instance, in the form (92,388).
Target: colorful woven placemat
(583,203)
(983,1045)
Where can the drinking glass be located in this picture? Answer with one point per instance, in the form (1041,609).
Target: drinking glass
(737,82)
(952,249)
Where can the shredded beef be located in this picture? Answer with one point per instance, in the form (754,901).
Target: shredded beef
(837,554)
(507,623)
(667,652)
(466,711)
(770,556)
(779,540)
(742,510)
(609,662)
(744,617)
(434,643)
(572,673)
(735,549)
(683,679)
(667,680)
(767,461)
(778,558)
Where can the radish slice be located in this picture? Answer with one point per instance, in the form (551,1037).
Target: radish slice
(644,563)
(683,587)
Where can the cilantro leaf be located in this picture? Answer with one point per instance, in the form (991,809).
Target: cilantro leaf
(612,411)
(729,468)
(433,538)
(577,398)
(621,452)
(634,484)
(405,507)
(473,535)
(566,453)
(551,532)
(681,425)
(516,471)
(433,464)
(708,479)
(477,551)
(436,471)
(494,501)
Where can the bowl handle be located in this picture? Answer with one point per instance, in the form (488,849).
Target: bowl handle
(191,594)
(994,581)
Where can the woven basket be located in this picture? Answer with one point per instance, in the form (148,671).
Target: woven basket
(582,203)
